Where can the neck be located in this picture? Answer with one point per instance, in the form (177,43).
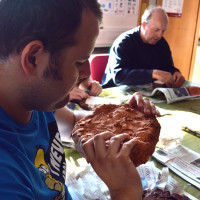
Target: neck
(15,110)
(141,35)
(10,90)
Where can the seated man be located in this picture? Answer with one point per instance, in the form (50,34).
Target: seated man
(142,55)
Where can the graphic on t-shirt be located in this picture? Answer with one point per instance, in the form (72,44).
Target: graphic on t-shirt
(52,162)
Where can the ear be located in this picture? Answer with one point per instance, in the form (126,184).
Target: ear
(30,56)
(144,24)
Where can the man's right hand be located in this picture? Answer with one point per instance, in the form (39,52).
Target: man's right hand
(109,156)
(165,77)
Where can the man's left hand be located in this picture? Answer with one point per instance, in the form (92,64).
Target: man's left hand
(179,80)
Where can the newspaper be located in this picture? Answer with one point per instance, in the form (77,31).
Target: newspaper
(183,161)
(84,184)
(171,94)
(153,177)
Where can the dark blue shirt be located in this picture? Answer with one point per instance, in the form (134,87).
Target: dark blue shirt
(131,61)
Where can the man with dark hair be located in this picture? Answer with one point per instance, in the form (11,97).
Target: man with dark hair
(44,48)
(142,55)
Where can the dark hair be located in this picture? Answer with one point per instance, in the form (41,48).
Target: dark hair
(54,22)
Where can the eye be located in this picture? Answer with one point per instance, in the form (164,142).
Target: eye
(156,30)
(78,63)
(81,63)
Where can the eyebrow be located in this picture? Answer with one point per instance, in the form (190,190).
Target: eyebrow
(84,58)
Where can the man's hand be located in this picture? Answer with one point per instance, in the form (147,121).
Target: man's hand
(112,163)
(165,77)
(144,104)
(93,87)
(171,81)
(78,94)
(178,79)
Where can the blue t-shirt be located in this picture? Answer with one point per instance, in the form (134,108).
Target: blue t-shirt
(32,159)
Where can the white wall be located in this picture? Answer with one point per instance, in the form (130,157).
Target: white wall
(116,21)
(196,72)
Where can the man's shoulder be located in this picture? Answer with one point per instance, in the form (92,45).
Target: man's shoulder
(131,32)
(128,36)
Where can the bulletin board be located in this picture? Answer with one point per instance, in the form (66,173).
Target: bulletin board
(118,17)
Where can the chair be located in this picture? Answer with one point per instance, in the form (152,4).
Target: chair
(97,66)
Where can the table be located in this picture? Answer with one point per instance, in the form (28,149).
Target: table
(187,110)
(189,140)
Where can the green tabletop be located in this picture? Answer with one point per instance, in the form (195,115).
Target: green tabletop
(184,109)
(189,105)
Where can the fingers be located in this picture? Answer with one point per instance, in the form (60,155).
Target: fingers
(136,100)
(169,82)
(83,95)
(116,142)
(150,108)
(89,151)
(95,89)
(104,144)
(147,106)
(95,148)
(127,147)
(165,77)
(78,94)
(86,95)
(178,79)
(144,104)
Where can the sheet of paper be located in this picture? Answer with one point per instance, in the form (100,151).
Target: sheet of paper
(173,7)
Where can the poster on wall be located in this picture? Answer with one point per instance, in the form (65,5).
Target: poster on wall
(173,7)
(118,17)
(118,7)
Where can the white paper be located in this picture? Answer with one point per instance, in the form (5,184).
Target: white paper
(84,184)
(183,161)
(173,6)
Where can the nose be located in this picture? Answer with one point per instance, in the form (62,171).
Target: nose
(159,34)
(84,70)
